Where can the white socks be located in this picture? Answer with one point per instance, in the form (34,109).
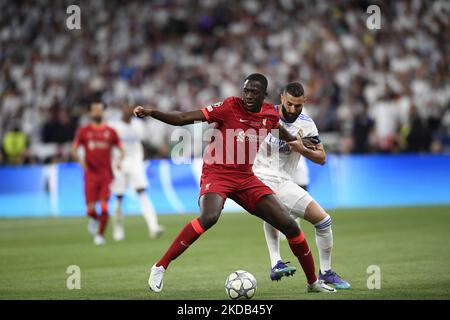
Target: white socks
(118,212)
(273,243)
(324,241)
(149,213)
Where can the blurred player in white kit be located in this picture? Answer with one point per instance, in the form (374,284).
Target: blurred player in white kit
(132,173)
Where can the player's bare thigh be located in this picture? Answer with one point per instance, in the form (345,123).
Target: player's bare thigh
(211,205)
(271,210)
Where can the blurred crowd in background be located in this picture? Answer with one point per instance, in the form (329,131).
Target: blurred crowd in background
(384,90)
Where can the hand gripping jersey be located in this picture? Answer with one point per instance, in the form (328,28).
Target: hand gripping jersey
(275,159)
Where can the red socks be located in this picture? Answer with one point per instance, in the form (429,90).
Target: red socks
(194,229)
(185,238)
(300,248)
(103,219)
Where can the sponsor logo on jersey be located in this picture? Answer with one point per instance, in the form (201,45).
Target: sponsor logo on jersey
(95,144)
(214,105)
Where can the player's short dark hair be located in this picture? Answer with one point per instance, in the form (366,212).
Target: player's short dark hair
(260,78)
(295,89)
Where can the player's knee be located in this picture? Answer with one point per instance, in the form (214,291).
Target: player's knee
(209,219)
(291,229)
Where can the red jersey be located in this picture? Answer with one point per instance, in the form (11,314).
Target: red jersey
(97,142)
(238,134)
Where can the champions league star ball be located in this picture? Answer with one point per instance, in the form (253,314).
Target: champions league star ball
(240,285)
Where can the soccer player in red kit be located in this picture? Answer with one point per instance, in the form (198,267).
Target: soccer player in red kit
(227,173)
(97,139)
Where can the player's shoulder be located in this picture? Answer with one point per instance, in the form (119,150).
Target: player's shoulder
(304,117)
(233,101)
(271,112)
(304,120)
(269,108)
(227,102)
(306,123)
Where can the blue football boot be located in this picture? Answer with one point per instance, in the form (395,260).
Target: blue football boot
(280,270)
(331,278)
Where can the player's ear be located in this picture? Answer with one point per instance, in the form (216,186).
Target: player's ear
(281,97)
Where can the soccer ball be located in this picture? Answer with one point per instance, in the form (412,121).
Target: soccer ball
(240,285)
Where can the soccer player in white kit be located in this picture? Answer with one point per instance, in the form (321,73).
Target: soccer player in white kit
(132,172)
(275,164)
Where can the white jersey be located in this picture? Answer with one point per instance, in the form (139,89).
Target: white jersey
(282,164)
(131,134)
(301,175)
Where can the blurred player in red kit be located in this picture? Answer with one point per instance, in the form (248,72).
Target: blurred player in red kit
(98,140)
(241,124)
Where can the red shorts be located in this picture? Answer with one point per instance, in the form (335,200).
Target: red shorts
(242,187)
(96,187)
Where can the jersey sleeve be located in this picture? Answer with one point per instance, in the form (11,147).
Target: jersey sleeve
(312,132)
(115,140)
(79,138)
(218,111)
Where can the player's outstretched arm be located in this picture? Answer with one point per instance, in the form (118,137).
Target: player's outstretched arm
(174,118)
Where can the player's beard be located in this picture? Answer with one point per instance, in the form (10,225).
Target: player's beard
(97,119)
(287,116)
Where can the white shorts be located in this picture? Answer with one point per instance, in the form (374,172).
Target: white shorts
(130,174)
(294,197)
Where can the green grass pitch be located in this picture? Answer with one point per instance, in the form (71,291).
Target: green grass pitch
(410,245)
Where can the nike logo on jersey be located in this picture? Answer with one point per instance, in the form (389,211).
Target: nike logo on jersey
(243,120)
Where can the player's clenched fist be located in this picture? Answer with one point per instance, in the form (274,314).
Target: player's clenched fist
(140,112)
